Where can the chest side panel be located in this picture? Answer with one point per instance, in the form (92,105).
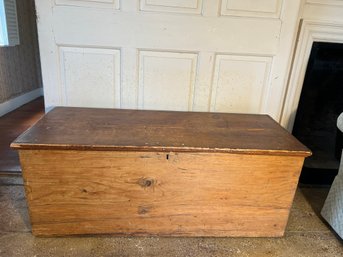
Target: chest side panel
(188,194)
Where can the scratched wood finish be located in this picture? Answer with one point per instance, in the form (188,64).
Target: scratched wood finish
(137,130)
(132,172)
(158,193)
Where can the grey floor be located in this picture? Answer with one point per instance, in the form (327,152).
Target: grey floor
(306,235)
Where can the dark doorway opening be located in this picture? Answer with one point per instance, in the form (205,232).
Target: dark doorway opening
(320,104)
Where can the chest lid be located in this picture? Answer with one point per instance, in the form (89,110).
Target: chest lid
(166,131)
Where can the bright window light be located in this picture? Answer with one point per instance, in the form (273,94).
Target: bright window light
(9,33)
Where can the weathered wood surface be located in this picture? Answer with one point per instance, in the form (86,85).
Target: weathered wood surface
(161,131)
(90,171)
(158,193)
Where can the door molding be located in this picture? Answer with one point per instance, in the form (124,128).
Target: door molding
(311,31)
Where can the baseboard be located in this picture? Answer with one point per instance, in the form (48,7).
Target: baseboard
(18,101)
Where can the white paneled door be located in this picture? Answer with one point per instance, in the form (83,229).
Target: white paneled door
(184,55)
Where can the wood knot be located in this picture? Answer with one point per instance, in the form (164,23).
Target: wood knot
(146,182)
(143,209)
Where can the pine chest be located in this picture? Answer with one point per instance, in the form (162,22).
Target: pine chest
(134,172)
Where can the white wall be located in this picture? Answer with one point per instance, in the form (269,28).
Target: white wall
(193,55)
(323,11)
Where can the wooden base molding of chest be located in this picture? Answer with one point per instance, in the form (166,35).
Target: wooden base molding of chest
(166,193)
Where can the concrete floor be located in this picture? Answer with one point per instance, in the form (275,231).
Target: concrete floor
(307,235)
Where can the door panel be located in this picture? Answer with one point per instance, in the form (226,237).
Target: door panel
(155,89)
(252,8)
(192,55)
(82,69)
(177,6)
(239,83)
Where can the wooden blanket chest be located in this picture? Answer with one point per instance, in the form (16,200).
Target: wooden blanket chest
(133,172)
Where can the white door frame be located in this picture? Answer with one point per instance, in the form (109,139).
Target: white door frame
(311,31)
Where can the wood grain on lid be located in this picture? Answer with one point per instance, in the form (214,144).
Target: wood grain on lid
(167,131)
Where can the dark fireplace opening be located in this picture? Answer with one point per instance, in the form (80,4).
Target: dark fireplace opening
(320,104)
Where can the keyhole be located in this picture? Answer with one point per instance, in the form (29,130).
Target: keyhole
(167,156)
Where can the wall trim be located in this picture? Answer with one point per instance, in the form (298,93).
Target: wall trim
(325,2)
(311,31)
(18,101)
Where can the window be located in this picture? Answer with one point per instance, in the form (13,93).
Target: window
(9,33)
